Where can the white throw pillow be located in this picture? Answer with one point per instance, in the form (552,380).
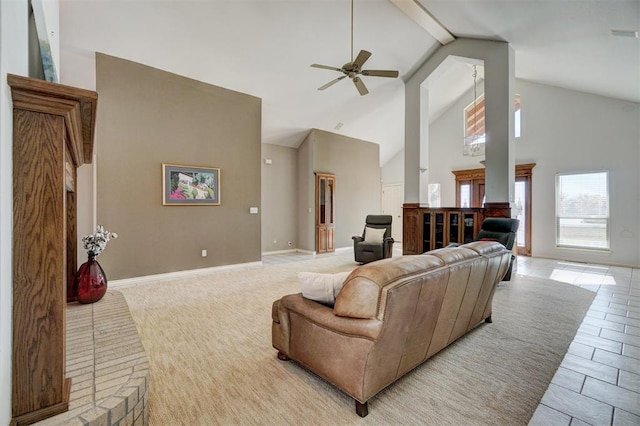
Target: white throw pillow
(323,288)
(374,235)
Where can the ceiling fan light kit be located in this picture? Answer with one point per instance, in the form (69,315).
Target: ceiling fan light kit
(354,69)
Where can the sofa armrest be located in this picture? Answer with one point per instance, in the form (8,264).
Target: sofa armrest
(357,239)
(388,247)
(274,311)
(323,316)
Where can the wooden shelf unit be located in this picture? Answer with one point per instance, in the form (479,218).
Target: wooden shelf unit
(53,130)
(427,228)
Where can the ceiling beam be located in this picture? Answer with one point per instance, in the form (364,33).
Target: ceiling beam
(416,11)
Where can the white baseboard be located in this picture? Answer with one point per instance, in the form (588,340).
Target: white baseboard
(313,253)
(128,282)
(268,253)
(297,250)
(306,251)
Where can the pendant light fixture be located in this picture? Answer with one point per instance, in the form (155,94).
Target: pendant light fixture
(473,143)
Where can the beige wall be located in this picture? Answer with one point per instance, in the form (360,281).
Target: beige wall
(306,203)
(279,192)
(356,165)
(146,117)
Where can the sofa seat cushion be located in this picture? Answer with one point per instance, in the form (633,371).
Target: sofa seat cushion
(375,248)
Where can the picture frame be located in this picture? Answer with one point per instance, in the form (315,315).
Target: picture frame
(190,185)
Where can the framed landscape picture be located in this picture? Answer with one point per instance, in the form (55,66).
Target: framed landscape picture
(190,185)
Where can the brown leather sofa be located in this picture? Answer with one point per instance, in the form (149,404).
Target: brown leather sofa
(390,316)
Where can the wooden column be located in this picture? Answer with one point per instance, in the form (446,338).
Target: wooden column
(53,128)
(497,210)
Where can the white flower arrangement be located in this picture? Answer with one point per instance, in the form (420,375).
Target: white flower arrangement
(95,244)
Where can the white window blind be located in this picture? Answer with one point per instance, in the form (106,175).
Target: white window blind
(582,210)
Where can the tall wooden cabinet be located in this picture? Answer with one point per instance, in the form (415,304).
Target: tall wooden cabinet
(325,212)
(53,129)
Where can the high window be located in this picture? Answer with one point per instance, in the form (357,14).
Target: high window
(582,210)
(516,123)
(474,120)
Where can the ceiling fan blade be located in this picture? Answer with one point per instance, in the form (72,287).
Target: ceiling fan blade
(361,58)
(331,83)
(326,67)
(360,86)
(380,73)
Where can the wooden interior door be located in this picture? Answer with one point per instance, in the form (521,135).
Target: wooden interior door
(392,199)
(325,212)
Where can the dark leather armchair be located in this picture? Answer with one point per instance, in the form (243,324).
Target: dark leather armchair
(502,230)
(376,245)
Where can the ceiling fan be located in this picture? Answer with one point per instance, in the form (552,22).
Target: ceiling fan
(353,69)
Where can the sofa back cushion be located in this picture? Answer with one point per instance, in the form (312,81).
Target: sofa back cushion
(364,293)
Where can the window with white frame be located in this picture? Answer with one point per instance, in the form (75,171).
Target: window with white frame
(582,210)
(517,122)
(465,195)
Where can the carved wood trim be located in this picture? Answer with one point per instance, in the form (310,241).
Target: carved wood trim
(497,210)
(77,106)
(522,170)
(469,174)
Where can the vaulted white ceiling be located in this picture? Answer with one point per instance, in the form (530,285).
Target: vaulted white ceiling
(264,48)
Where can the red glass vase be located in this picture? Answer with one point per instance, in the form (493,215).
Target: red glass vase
(91,281)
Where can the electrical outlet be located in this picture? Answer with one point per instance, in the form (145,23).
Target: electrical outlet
(204,253)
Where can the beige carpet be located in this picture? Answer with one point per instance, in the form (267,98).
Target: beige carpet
(209,343)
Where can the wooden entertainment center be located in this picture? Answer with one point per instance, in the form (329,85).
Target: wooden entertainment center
(425,228)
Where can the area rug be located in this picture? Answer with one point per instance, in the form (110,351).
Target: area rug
(208,339)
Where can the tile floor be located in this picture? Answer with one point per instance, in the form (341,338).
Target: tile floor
(598,381)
